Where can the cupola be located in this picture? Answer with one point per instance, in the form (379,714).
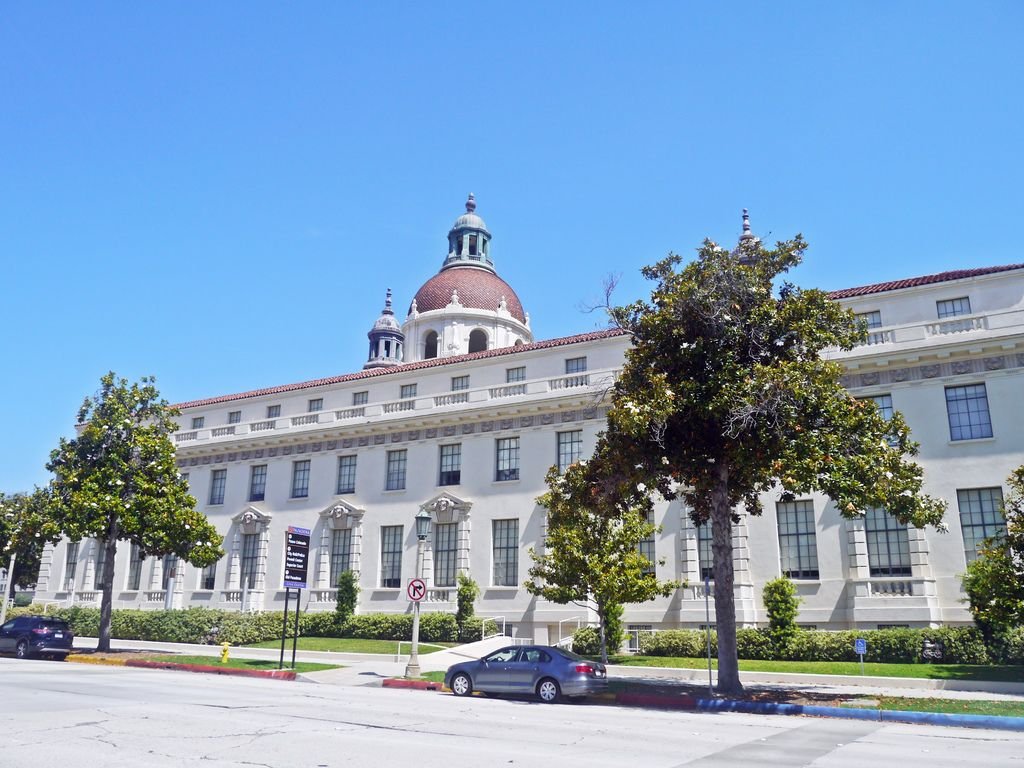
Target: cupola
(386,339)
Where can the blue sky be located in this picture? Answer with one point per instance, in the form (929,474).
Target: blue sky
(218,194)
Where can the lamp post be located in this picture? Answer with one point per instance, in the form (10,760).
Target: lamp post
(423,520)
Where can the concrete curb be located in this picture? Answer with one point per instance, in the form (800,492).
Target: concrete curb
(418,685)
(273,674)
(78,659)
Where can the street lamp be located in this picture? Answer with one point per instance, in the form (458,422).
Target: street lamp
(423,520)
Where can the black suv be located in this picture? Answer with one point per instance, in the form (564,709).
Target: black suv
(42,636)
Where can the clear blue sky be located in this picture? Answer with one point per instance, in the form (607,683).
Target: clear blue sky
(218,194)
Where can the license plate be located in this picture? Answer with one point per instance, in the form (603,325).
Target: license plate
(58,635)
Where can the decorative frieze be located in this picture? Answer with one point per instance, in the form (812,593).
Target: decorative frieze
(932,371)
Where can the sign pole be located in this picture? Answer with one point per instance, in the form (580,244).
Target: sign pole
(284,628)
(295,635)
(296,564)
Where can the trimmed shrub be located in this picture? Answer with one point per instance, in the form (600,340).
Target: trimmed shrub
(752,644)
(22,599)
(318,625)
(586,641)
(963,645)
(687,643)
(472,629)
(438,628)
(466,594)
(1013,646)
(347,596)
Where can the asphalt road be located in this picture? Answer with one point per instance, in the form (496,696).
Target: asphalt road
(56,714)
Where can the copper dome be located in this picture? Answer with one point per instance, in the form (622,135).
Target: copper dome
(478,289)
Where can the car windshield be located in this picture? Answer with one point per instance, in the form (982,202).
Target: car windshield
(570,655)
(505,654)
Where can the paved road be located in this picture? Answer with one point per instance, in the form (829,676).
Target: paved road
(79,715)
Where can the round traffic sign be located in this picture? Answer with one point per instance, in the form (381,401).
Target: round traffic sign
(417,590)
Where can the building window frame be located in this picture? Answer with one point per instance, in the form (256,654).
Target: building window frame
(505,552)
(575,365)
(198,422)
(391,556)
(569,448)
(460,383)
(234,417)
(341,554)
(396,464)
(249,561)
(208,577)
(955,307)
(273,411)
(218,486)
(705,552)
(798,541)
(445,551)
(515,375)
(315,405)
(346,474)
(407,392)
(450,464)
(968,412)
(257,482)
(135,561)
(888,544)
(300,478)
(506,464)
(981,517)
(360,398)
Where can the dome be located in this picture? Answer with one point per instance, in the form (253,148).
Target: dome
(478,289)
(469,221)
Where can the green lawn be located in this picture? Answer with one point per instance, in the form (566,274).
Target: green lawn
(949,706)
(352,645)
(434,677)
(928,671)
(214,661)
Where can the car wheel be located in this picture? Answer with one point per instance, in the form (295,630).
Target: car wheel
(462,685)
(548,690)
(21,649)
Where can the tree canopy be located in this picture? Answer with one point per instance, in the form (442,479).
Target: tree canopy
(726,394)
(117,481)
(25,529)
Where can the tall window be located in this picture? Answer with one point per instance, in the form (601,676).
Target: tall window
(459,383)
(70,564)
(575,365)
(430,346)
(884,404)
(953,307)
(391,556)
(315,404)
(981,517)
(477,340)
(647,546)
(507,465)
(505,535)
(198,421)
(872,319)
(234,417)
(395,479)
(888,544)
(101,562)
(300,479)
(360,398)
(451,465)
(134,568)
(341,553)
(273,411)
(250,559)
(797,540)
(257,482)
(570,447)
(513,375)
(445,538)
(170,570)
(407,391)
(967,407)
(208,578)
(346,474)
(218,479)
(705,555)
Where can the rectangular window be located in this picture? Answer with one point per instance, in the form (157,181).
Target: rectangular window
(101,562)
(70,565)
(134,568)
(445,540)
(198,421)
(459,383)
(505,535)
(576,365)
(953,307)
(250,560)
(218,480)
(888,544)
(257,482)
(208,578)
(273,411)
(346,474)
(507,463)
(234,417)
(170,571)
(884,403)
(451,465)
(360,398)
(300,479)
(797,540)
(967,407)
(341,553)
(570,447)
(407,391)
(391,556)
(981,517)
(395,479)
(705,555)
(647,546)
(315,404)
(514,375)
(871,319)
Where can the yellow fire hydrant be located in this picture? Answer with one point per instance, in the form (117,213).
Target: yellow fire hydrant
(224,653)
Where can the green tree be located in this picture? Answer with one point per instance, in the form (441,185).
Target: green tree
(117,481)
(994,581)
(781,603)
(466,595)
(348,598)
(25,529)
(591,551)
(725,395)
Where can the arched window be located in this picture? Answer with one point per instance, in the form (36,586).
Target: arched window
(477,341)
(430,350)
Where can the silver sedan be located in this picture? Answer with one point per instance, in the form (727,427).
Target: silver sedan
(541,670)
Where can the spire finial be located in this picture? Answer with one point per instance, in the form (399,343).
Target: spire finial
(387,300)
(470,203)
(747,234)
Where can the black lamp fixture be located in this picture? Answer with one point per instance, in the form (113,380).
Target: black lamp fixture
(423,521)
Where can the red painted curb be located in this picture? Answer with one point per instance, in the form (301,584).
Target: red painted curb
(419,685)
(274,674)
(655,700)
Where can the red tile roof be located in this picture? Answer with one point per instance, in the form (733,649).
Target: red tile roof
(912,282)
(478,289)
(420,365)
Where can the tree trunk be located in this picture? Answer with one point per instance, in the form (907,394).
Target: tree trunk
(603,633)
(106,605)
(725,601)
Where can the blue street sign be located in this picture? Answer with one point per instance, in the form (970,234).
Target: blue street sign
(860,646)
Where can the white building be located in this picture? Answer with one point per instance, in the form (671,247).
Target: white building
(460,413)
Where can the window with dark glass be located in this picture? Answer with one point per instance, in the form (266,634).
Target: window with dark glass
(250,560)
(872,319)
(705,554)
(507,462)
(134,568)
(646,546)
(460,383)
(170,567)
(514,375)
(797,539)
(315,404)
(395,479)
(300,479)
(888,544)
(451,465)
(967,407)
(234,417)
(257,482)
(430,346)
(360,398)
(953,307)
(407,391)
(346,474)
(70,564)
(391,556)
(981,517)
(575,365)
(341,553)
(570,447)
(477,340)
(198,421)
(273,411)
(445,547)
(208,578)
(101,562)
(218,481)
(505,535)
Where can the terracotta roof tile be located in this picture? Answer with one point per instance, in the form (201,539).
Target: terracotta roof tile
(478,289)
(420,365)
(912,282)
